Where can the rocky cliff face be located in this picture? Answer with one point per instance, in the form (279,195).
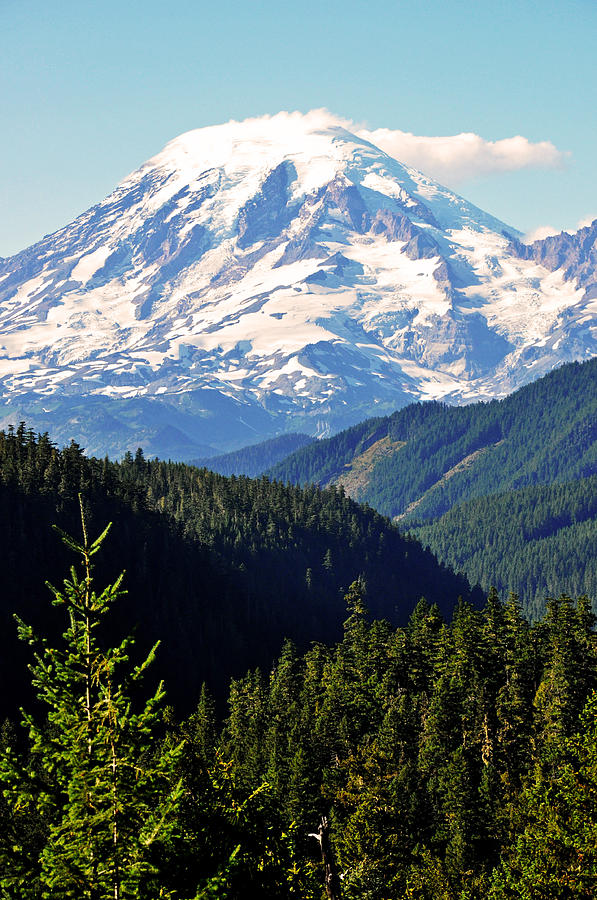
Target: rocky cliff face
(574,254)
(273,275)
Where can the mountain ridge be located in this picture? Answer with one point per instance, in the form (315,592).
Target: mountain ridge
(545,432)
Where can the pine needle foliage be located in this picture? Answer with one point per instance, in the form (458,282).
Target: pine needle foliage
(102,798)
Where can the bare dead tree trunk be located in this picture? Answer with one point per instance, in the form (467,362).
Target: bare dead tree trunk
(332,879)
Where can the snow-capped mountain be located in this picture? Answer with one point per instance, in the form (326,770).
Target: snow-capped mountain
(277,274)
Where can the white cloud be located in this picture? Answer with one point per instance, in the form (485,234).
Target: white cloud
(543,231)
(537,234)
(457,158)
(451,159)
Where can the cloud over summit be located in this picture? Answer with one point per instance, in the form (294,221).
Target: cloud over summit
(456,158)
(449,159)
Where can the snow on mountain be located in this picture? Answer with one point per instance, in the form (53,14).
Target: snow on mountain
(277,274)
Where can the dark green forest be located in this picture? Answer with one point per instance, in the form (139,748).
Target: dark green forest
(543,539)
(451,760)
(256,458)
(221,569)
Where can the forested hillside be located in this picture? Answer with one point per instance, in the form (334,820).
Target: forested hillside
(256,458)
(221,569)
(539,540)
(502,491)
(426,458)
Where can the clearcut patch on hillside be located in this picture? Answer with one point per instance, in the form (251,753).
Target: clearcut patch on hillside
(464,463)
(356,474)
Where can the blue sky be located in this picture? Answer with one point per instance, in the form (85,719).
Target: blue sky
(89,90)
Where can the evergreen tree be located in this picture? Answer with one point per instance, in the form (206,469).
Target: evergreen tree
(555,851)
(570,673)
(104,798)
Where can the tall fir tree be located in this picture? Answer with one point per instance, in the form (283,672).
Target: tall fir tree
(102,798)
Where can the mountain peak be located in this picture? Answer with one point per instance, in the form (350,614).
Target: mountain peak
(275,274)
(271,135)
(256,144)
